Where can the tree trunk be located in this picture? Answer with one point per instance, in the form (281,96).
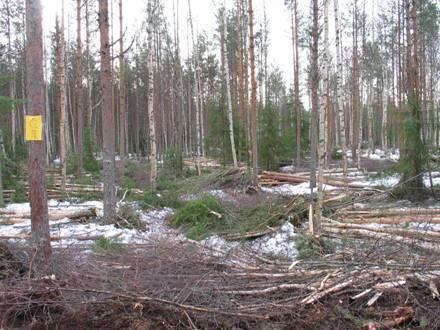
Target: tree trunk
(356,128)
(297,104)
(228,91)
(11,82)
(122,93)
(108,132)
(197,91)
(150,101)
(338,87)
(253,96)
(78,91)
(315,87)
(35,107)
(92,135)
(61,99)
(412,179)
(325,72)
(2,202)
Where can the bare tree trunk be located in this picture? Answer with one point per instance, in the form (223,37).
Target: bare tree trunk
(253,96)
(108,128)
(89,74)
(370,118)
(241,85)
(197,91)
(11,83)
(61,96)
(339,99)
(35,107)
(79,90)
(356,111)
(150,101)
(122,94)
(315,87)
(2,202)
(295,41)
(228,91)
(325,71)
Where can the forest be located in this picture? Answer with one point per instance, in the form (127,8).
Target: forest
(162,167)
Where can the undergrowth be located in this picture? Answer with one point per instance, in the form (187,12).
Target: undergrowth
(127,217)
(201,216)
(104,244)
(309,247)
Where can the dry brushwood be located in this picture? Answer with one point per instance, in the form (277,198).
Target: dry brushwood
(185,282)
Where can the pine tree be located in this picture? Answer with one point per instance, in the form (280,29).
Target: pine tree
(108,132)
(37,154)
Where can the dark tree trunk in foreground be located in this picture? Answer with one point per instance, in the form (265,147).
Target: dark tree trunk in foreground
(37,149)
(108,125)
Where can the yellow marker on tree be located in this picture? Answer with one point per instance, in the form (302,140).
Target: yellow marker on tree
(34,128)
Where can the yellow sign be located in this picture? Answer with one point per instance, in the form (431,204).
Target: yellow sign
(34,128)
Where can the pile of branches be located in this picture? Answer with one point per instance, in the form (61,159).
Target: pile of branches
(186,285)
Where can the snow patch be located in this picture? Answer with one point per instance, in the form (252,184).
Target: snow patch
(281,243)
(292,190)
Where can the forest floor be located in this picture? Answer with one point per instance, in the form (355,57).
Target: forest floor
(211,252)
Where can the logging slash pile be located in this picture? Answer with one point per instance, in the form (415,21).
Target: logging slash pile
(162,286)
(381,272)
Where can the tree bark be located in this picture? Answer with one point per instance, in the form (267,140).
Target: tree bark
(197,91)
(228,91)
(122,90)
(315,87)
(339,99)
(37,159)
(79,91)
(253,96)
(61,96)
(108,132)
(150,101)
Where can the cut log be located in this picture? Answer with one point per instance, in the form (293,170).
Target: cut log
(410,233)
(53,215)
(385,236)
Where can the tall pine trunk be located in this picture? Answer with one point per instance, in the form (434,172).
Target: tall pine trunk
(315,87)
(150,101)
(338,87)
(37,149)
(108,126)
(122,93)
(253,96)
(228,91)
(79,91)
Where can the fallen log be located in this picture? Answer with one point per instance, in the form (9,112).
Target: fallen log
(410,233)
(287,178)
(391,320)
(396,220)
(53,215)
(385,236)
(387,212)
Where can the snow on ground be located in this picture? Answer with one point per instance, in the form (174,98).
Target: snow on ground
(69,231)
(280,243)
(292,190)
